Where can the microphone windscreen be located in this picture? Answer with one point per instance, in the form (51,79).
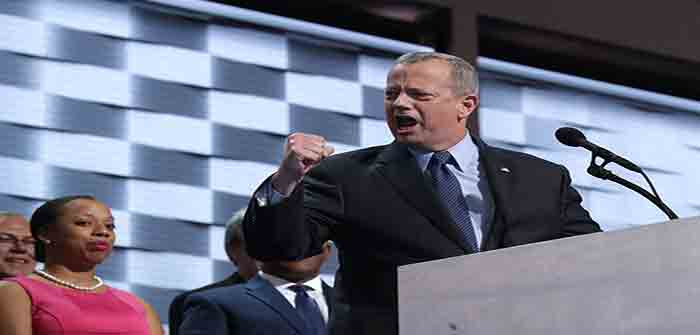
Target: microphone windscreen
(570,136)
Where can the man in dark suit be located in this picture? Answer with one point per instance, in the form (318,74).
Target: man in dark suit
(284,298)
(435,192)
(234,244)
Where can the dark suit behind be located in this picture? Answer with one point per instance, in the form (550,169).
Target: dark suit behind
(381,212)
(177,307)
(255,307)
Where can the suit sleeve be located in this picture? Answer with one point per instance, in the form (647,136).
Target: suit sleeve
(203,317)
(175,314)
(575,219)
(297,226)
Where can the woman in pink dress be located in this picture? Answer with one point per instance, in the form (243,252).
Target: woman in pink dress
(74,234)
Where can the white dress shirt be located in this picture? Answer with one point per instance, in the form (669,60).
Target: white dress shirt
(315,293)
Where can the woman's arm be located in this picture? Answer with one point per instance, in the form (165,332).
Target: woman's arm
(15,310)
(155,328)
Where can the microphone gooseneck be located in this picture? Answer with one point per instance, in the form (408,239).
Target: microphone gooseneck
(575,138)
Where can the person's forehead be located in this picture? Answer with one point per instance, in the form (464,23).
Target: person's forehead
(433,70)
(86,207)
(15,225)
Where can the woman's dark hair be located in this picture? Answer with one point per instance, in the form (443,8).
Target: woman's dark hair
(47,215)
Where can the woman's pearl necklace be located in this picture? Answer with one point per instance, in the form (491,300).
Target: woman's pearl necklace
(69,284)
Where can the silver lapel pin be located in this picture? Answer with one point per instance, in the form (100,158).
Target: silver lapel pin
(505,170)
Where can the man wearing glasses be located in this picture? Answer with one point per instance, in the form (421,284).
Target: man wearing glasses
(16,246)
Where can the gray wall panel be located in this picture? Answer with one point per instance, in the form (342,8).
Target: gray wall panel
(18,70)
(18,141)
(86,117)
(248,78)
(88,48)
(108,189)
(115,267)
(158,298)
(245,144)
(501,94)
(373,102)
(222,269)
(225,204)
(24,8)
(334,127)
(317,58)
(169,98)
(19,205)
(161,234)
(163,28)
(168,165)
(538,132)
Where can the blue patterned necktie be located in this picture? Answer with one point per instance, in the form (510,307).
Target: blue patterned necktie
(450,193)
(309,310)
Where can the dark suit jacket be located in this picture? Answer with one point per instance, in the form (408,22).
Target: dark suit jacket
(382,212)
(255,307)
(178,305)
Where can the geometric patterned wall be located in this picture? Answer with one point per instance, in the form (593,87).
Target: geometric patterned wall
(172,119)
(522,109)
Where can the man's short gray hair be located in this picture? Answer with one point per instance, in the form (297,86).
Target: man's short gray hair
(234,228)
(464,75)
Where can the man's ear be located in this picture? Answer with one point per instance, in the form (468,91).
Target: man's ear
(468,104)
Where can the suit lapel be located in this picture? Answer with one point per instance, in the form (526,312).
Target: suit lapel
(500,175)
(262,290)
(399,167)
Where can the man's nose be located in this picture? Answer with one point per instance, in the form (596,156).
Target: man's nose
(402,101)
(22,247)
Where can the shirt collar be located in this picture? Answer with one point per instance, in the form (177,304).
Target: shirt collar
(280,283)
(464,152)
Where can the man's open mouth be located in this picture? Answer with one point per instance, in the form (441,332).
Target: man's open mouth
(405,121)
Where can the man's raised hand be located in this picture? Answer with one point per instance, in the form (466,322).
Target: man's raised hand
(301,153)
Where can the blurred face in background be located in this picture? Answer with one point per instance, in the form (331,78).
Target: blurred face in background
(16,246)
(83,234)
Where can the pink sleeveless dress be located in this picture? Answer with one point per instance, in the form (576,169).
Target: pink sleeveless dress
(64,311)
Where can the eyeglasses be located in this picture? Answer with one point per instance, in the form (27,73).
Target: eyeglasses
(6,238)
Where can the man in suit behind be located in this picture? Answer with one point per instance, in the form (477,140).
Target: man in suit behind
(435,192)
(234,243)
(286,297)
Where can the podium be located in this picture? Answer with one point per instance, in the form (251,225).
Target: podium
(642,280)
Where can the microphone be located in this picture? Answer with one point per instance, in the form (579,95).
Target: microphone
(575,138)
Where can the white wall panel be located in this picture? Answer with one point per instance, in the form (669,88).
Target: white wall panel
(170,200)
(249,111)
(170,132)
(85,152)
(122,220)
(324,93)
(86,82)
(217,249)
(248,46)
(555,104)
(23,178)
(168,270)
(22,106)
(238,177)
(373,70)
(169,63)
(99,16)
(23,35)
(374,132)
(502,125)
